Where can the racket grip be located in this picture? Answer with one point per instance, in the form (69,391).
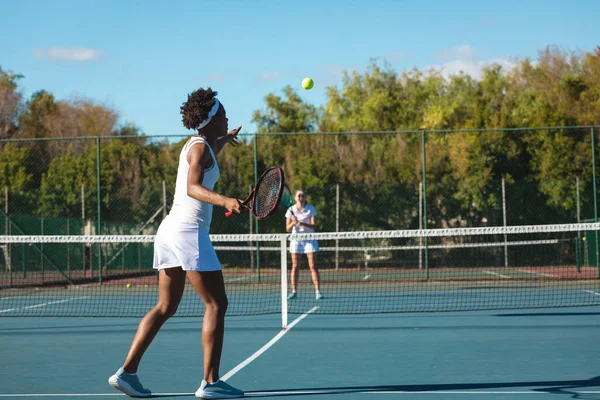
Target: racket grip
(228,214)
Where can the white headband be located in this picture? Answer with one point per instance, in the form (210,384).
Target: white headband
(211,114)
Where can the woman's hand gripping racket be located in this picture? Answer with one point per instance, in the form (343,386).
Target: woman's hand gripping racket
(287,199)
(266,195)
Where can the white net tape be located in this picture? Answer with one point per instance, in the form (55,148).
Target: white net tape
(416,233)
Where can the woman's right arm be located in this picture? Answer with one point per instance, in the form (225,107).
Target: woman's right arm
(197,156)
(289,224)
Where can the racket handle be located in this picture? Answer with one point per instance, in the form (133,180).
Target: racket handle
(228,214)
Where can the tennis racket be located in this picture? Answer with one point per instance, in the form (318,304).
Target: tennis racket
(266,195)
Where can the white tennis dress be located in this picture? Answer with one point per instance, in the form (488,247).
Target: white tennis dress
(183,238)
(302,246)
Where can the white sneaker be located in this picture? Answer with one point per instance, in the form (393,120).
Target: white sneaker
(218,390)
(319,295)
(128,384)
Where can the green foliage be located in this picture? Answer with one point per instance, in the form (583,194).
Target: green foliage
(13,173)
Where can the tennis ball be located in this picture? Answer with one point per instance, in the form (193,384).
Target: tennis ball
(128,285)
(308,83)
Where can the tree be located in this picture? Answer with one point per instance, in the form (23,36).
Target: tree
(10,103)
(289,115)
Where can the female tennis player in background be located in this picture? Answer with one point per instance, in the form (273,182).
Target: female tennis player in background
(182,248)
(302,218)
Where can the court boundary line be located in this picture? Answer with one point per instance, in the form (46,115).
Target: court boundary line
(313,392)
(270,343)
(44,304)
(497,274)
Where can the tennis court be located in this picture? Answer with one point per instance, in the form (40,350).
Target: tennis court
(487,355)
(462,322)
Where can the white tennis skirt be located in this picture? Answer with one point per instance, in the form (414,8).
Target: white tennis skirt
(303,246)
(185,245)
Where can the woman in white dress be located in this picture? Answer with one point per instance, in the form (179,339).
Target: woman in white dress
(302,218)
(182,248)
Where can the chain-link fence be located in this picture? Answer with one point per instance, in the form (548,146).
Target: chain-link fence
(356,181)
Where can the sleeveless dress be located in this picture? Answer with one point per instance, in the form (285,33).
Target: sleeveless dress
(183,238)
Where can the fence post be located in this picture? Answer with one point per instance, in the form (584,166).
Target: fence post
(256,220)
(594,188)
(164,193)
(99,199)
(250,229)
(504,222)
(337,224)
(424,168)
(7,232)
(42,248)
(420,224)
(578,244)
(83,245)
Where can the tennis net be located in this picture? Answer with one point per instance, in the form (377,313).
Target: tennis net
(458,269)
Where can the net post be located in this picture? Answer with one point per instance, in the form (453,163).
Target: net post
(284,288)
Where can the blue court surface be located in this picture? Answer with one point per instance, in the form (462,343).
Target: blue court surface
(512,354)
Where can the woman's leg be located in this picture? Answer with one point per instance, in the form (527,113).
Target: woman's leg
(211,288)
(313,270)
(295,271)
(171,282)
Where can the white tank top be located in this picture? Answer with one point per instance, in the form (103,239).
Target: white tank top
(185,208)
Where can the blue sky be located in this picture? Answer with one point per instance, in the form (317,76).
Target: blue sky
(141,58)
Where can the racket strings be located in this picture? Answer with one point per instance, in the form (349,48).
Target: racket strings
(267,193)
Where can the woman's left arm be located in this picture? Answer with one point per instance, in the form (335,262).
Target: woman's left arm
(230,137)
(312,224)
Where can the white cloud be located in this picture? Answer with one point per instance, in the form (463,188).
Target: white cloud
(459,52)
(76,54)
(270,76)
(472,68)
(464,58)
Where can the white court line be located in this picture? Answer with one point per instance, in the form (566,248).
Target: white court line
(237,279)
(467,392)
(592,292)
(19,395)
(301,392)
(497,274)
(43,304)
(224,377)
(537,273)
(268,345)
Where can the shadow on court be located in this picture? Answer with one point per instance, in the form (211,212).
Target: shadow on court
(552,314)
(550,387)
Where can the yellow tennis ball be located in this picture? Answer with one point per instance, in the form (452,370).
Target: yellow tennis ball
(128,285)
(308,83)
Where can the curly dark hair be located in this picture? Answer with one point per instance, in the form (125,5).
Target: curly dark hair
(196,108)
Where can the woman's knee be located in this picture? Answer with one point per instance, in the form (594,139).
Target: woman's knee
(166,310)
(218,305)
